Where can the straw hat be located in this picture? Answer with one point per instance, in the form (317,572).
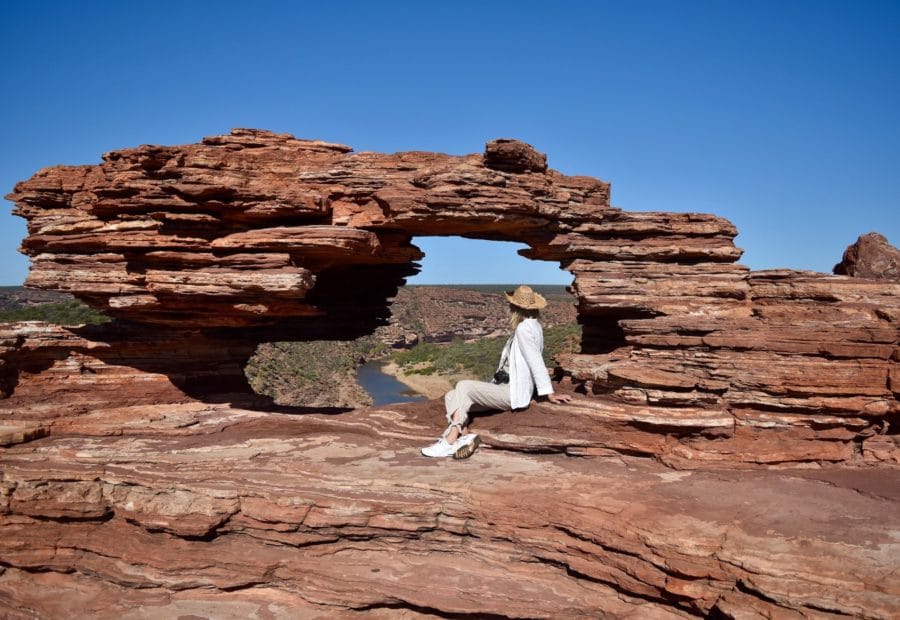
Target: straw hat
(524,297)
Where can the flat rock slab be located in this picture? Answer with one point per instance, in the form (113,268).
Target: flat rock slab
(279,515)
(13,433)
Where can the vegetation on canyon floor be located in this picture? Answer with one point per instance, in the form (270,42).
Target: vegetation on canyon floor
(480,357)
(313,374)
(323,373)
(434,330)
(68,313)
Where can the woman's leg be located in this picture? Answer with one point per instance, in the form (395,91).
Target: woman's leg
(453,403)
(457,417)
(467,395)
(472,396)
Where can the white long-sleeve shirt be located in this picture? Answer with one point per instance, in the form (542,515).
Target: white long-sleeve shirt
(524,354)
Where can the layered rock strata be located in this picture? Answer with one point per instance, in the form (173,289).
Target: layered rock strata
(809,373)
(229,513)
(139,478)
(258,236)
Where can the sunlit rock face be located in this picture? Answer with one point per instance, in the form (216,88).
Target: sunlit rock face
(731,449)
(215,512)
(255,228)
(259,236)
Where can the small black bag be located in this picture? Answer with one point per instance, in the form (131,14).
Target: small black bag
(501,376)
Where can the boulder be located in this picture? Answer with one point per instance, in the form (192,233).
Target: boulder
(871,257)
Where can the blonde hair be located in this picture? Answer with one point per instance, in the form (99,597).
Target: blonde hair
(517,315)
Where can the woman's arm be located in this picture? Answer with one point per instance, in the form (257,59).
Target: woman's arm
(530,338)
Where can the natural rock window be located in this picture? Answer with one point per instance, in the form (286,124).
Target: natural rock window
(260,237)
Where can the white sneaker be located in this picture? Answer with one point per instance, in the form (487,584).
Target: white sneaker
(440,448)
(465,446)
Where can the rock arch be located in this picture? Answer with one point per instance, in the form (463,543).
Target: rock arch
(255,228)
(260,236)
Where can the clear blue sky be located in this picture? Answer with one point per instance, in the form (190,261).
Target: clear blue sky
(782,116)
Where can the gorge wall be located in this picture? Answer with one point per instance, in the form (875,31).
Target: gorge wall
(731,449)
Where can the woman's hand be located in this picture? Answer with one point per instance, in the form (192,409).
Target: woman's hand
(559,398)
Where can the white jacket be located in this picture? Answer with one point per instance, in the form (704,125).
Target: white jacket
(526,364)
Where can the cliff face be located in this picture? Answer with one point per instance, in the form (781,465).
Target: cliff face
(141,470)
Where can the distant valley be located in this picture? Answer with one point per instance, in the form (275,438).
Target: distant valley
(449,331)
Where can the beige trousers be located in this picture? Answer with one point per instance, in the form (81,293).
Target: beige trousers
(476,396)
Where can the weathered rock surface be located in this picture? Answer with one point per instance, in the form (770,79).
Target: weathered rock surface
(140,470)
(253,228)
(871,256)
(48,371)
(267,237)
(236,513)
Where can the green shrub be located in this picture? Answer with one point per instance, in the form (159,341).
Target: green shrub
(71,312)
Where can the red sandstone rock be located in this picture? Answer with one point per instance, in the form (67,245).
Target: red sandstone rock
(323,514)
(149,491)
(513,156)
(67,373)
(133,235)
(871,256)
(284,238)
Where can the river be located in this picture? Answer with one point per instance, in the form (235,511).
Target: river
(384,389)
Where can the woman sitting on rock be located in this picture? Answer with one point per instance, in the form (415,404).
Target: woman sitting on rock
(520,373)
